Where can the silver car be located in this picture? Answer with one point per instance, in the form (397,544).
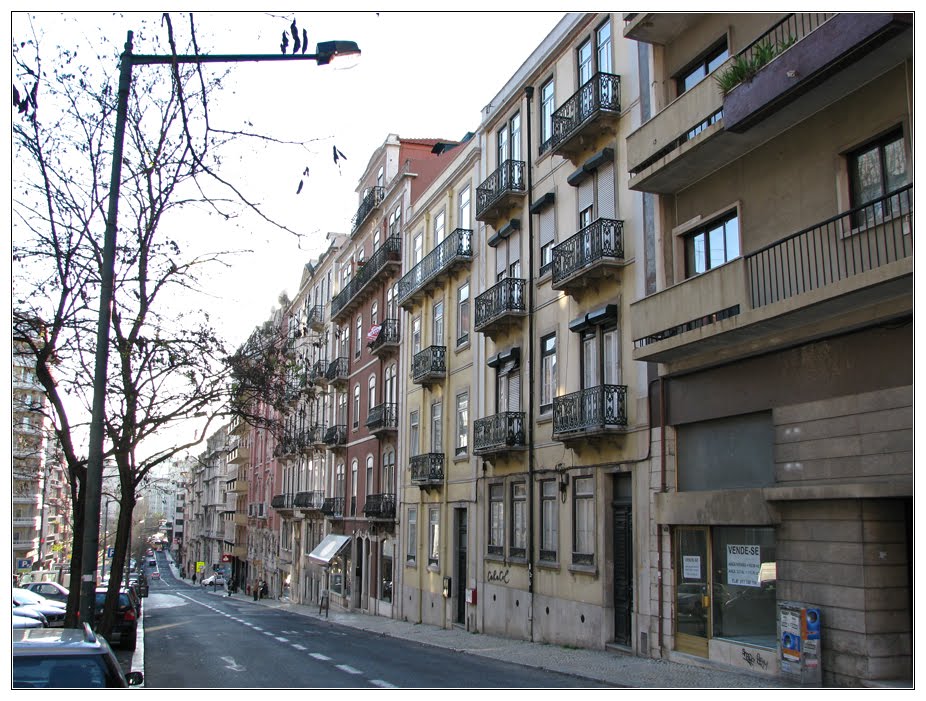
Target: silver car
(52,610)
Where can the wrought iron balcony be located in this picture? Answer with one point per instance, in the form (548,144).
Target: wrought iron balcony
(500,306)
(317,372)
(582,260)
(386,339)
(387,257)
(315,319)
(383,417)
(333,507)
(309,501)
(315,435)
(591,412)
(380,506)
(336,436)
(427,470)
(282,502)
(499,433)
(500,192)
(591,112)
(338,370)
(449,254)
(429,365)
(373,199)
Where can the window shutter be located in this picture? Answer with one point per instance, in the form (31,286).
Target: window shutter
(605,183)
(547,221)
(586,193)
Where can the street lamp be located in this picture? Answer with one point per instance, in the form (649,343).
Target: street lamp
(325,52)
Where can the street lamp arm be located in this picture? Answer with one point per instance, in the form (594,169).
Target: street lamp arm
(325,51)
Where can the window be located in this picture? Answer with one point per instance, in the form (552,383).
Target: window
(546,114)
(584,59)
(437,440)
(603,41)
(875,170)
(411,549)
(418,248)
(583,524)
(388,481)
(547,372)
(518,520)
(549,517)
(395,221)
(696,71)
(392,306)
(463,321)
(389,385)
(416,335)
(712,245)
(371,393)
(369,481)
(354,469)
(344,333)
(381,176)
(496,545)
(339,481)
(465,200)
(374,314)
(547,238)
(437,328)
(414,447)
(358,339)
(356,417)
(462,423)
(434,536)
(440,228)
(508,140)
(600,359)
(376,239)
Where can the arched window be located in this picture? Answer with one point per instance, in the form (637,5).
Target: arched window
(356,417)
(388,481)
(374,314)
(369,485)
(371,393)
(358,340)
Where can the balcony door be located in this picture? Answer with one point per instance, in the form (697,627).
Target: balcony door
(508,389)
(437,335)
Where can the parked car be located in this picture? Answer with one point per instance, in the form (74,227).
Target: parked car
(125,624)
(215,580)
(50,590)
(67,658)
(25,621)
(52,610)
(155,575)
(141,582)
(31,614)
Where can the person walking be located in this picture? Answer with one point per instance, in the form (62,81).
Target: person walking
(256,589)
(264,590)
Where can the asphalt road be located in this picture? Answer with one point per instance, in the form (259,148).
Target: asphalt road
(197,640)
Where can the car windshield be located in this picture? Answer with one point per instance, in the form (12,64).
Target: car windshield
(101,598)
(63,671)
(24,596)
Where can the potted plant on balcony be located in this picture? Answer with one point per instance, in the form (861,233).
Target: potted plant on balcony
(745,66)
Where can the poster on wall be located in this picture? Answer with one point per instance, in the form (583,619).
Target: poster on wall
(691,567)
(743,565)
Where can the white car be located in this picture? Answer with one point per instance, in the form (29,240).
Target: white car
(216,579)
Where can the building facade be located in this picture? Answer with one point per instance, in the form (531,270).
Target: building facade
(779,241)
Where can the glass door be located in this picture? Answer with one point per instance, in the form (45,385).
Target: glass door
(692,591)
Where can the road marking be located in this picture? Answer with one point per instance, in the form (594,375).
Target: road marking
(347,668)
(299,647)
(282,640)
(232,665)
(382,685)
(320,656)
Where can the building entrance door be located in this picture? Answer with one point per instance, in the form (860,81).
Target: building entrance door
(460,588)
(692,591)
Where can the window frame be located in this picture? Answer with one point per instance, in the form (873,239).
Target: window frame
(461,447)
(583,502)
(703,62)
(411,543)
(495,542)
(463,313)
(690,237)
(549,523)
(548,386)
(547,108)
(434,537)
(517,534)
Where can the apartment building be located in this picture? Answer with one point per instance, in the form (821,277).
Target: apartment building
(778,318)
(237,489)
(438,468)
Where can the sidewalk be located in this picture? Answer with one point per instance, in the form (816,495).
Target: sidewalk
(599,665)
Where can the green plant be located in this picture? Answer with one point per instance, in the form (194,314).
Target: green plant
(745,67)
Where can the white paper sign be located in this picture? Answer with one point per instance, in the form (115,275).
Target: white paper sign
(691,567)
(743,564)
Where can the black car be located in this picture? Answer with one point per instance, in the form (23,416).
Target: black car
(66,658)
(125,624)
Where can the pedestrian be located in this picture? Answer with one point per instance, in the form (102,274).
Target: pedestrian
(264,590)
(194,578)
(256,589)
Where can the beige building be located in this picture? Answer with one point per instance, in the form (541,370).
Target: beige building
(779,317)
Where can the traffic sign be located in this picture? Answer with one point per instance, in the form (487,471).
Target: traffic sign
(110,552)
(23,564)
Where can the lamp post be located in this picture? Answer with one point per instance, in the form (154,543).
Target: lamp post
(325,52)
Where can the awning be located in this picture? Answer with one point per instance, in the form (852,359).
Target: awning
(329,549)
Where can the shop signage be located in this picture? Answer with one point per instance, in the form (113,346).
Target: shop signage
(743,565)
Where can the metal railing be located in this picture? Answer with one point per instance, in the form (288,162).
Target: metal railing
(388,334)
(281,501)
(380,506)
(504,430)
(505,297)
(787,31)
(372,200)
(309,500)
(336,435)
(508,177)
(315,316)
(318,370)
(429,363)
(383,416)
(602,406)
(458,246)
(427,468)
(333,506)
(854,242)
(390,250)
(601,92)
(338,370)
(601,239)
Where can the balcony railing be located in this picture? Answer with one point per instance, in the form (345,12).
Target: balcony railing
(383,417)
(598,246)
(492,195)
(379,506)
(501,302)
(318,370)
(282,501)
(599,96)
(429,365)
(315,435)
(312,501)
(388,253)
(386,338)
(456,248)
(590,411)
(333,506)
(338,370)
(851,243)
(499,433)
(315,318)
(336,436)
(372,200)
(427,469)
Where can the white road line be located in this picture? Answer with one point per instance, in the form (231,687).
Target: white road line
(382,685)
(347,668)
(299,647)
(282,640)
(320,656)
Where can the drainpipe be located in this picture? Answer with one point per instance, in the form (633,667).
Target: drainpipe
(529,93)
(662,490)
